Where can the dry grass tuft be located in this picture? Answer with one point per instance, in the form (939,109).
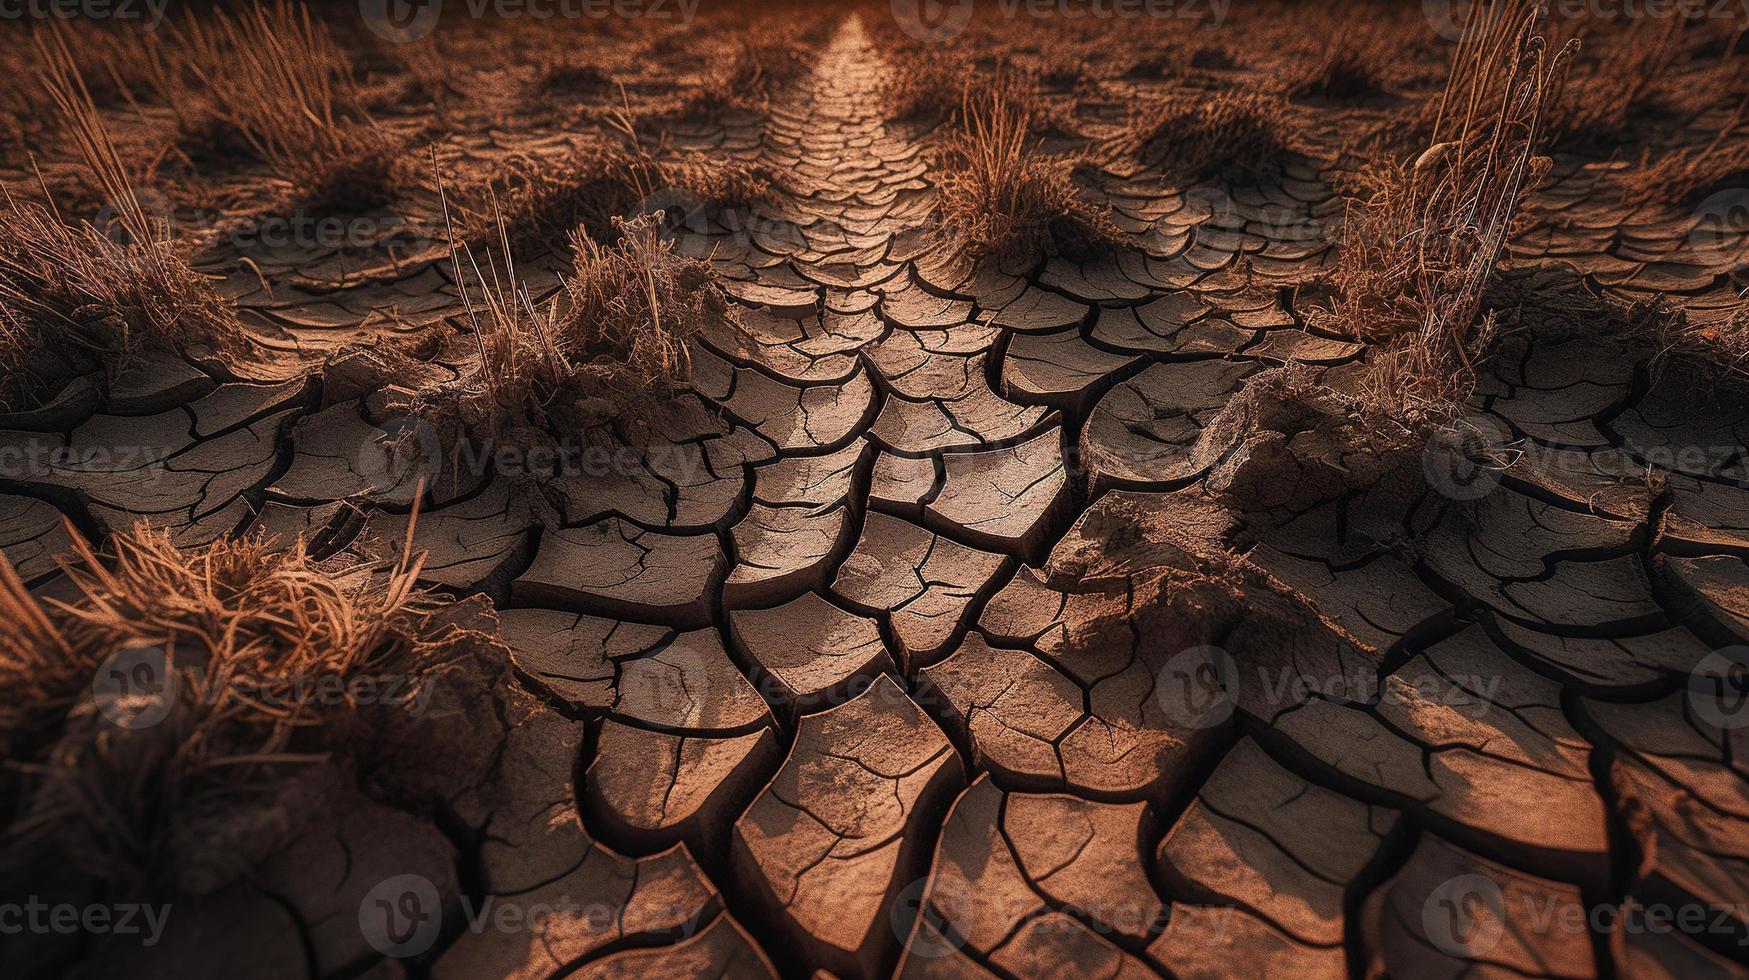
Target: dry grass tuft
(1421,252)
(75,290)
(631,308)
(1347,53)
(106,293)
(1683,177)
(1349,69)
(1003,198)
(1154,64)
(1721,342)
(760,66)
(572,78)
(616,334)
(276,77)
(107,54)
(43,674)
(1595,106)
(1193,137)
(919,88)
(246,629)
(520,363)
(925,88)
(541,204)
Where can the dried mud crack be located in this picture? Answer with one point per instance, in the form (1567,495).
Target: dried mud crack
(983,619)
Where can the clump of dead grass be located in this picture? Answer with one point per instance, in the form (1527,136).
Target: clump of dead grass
(1350,68)
(67,289)
(106,54)
(565,77)
(103,293)
(1154,64)
(1595,106)
(275,76)
(1001,197)
(616,334)
(1419,255)
(1720,341)
(159,67)
(1167,50)
(631,307)
(760,65)
(925,88)
(920,88)
(244,628)
(540,203)
(1683,177)
(1193,137)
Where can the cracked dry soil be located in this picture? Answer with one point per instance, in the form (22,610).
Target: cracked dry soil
(888,649)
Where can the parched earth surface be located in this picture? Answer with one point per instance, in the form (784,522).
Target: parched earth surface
(972,621)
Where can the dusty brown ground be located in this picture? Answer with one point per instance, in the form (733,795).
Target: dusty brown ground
(899,644)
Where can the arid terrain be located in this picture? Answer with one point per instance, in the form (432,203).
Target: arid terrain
(810,489)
